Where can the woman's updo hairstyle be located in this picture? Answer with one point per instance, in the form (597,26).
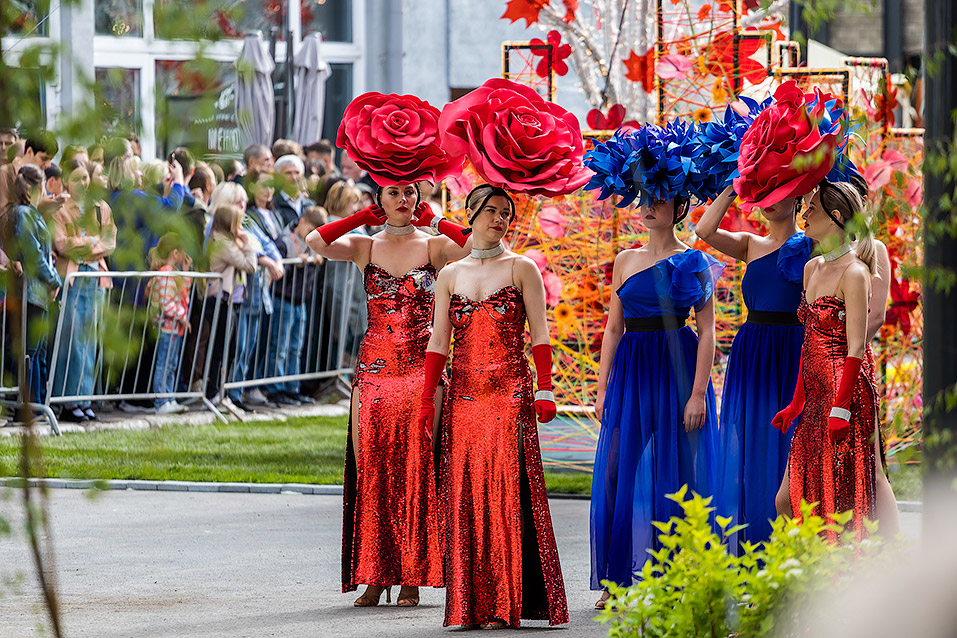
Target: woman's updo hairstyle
(476,200)
(842,202)
(29,178)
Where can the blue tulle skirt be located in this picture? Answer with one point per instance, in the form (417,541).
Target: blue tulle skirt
(644,451)
(752,455)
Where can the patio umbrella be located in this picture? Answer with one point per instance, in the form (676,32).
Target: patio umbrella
(255,99)
(311,73)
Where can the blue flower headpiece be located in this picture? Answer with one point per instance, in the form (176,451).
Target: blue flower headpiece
(718,145)
(835,119)
(663,166)
(609,161)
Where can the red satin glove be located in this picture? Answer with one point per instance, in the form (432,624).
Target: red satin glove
(783,419)
(425,217)
(370,215)
(544,399)
(839,421)
(434,367)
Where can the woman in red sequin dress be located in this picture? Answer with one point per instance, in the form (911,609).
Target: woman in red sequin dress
(391,531)
(835,454)
(501,561)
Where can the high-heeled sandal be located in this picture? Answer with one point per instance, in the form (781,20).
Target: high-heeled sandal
(407,601)
(365,600)
(601,601)
(498,623)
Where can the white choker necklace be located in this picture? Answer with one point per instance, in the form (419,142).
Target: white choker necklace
(488,253)
(408,229)
(837,253)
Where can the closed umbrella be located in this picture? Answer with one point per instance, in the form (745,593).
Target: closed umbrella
(255,99)
(311,72)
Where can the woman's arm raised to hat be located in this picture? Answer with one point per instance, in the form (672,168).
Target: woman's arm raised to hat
(336,241)
(708,229)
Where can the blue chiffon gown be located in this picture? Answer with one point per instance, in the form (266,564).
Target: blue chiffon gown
(644,451)
(759,382)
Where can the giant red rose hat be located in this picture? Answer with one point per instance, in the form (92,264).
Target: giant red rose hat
(396,139)
(785,153)
(515,139)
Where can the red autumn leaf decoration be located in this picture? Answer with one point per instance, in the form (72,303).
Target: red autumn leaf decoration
(720,58)
(559,53)
(641,68)
(527,10)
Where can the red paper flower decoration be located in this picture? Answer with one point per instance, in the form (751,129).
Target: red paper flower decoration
(515,139)
(571,6)
(784,154)
(904,300)
(559,53)
(396,139)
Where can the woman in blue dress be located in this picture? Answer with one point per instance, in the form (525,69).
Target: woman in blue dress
(655,399)
(763,364)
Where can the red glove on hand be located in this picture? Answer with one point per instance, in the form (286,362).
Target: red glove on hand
(783,419)
(434,367)
(371,215)
(544,399)
(839,421)
(425,217)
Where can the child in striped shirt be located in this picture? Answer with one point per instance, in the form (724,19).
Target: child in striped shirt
(169,300)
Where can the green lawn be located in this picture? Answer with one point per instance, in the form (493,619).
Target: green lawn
(300,450)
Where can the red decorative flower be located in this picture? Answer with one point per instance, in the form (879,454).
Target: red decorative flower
(784,154)
(515,139)
(571,6)
(904,300)
(559,53)
(396,139)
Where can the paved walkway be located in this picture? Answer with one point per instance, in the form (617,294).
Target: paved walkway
(182,564)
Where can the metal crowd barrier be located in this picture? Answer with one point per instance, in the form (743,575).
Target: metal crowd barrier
(15,362)
(320,318)
(125,370)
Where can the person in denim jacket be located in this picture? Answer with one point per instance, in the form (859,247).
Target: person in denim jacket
(31,244)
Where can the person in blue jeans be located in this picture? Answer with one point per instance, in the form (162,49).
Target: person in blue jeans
(287,332)
(257,299)
(83,236)
(31,244)
(169,303)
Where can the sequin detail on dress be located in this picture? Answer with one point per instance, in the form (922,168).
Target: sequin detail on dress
(838,476)
(391,524)
(501,560)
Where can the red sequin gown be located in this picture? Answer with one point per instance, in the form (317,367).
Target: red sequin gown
(501,561)
(391,528)
(839,476)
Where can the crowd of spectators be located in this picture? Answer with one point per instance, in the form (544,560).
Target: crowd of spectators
(105,209)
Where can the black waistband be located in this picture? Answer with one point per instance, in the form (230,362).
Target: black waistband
(771,318)
(653,324)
